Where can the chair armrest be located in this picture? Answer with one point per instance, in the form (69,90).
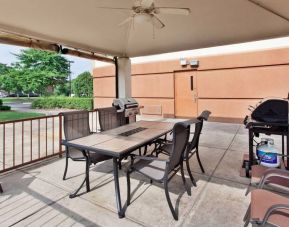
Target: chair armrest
(273,209)
(148,158)
(192,121)
(269,173)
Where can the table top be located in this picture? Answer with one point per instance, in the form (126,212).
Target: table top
(111,143)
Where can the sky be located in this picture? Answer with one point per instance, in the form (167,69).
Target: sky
(78,66)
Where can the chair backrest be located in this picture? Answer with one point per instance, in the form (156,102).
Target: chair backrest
(76,124)
(109,118)
(195,140)
(198,129)
(204,115)
(181,134)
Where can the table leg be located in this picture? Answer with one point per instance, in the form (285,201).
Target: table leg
(117,191)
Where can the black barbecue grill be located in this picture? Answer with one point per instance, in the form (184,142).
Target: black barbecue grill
(269,116)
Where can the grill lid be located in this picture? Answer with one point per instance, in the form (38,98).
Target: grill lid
(271,110)
(125,103)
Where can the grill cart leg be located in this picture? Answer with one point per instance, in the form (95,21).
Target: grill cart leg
(251,154)
(287,149)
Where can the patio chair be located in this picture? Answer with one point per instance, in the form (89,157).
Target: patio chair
(258,171)
(109,118)
(193,146)
(160,170)
(76,125)
(268,208)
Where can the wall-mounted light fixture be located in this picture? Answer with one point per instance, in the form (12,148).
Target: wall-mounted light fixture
(194,63)
(183,62)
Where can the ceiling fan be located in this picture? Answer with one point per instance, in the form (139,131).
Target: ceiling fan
(145,10)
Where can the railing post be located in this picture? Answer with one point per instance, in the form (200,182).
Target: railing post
(60,135)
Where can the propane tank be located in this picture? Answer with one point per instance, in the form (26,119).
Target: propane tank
(267,153)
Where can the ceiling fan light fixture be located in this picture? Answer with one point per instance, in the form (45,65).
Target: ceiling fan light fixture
(140,18)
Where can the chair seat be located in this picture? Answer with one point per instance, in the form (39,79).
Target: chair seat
(167,148)
(153,169)
(95,158)
(76,154)
(258,171)
(262,200)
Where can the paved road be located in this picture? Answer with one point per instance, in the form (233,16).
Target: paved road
(19,106)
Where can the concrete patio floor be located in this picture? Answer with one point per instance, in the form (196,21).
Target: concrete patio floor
(37,196)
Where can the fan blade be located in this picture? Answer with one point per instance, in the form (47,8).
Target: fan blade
(143,3)
(169,10)
(127,20)
(157,22)
(114,8)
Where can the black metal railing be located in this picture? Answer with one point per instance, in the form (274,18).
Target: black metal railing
(26,141)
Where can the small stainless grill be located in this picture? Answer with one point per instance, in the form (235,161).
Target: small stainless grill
(129,106)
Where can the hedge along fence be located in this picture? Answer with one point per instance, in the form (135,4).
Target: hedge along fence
(63,102)
(4,108)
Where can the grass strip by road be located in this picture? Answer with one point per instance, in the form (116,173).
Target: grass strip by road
(15,115)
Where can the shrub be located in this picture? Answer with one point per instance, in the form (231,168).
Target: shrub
(63,102)
(5,108)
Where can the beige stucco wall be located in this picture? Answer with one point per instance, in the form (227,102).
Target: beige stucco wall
(226,84)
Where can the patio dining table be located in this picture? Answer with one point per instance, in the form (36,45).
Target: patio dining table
(119,143)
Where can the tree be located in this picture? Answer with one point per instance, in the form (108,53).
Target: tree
(62,89)
(40,69)
(43,61)
(10,80)
(3,69)
(82,86)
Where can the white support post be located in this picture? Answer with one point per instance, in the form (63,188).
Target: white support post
(124,77)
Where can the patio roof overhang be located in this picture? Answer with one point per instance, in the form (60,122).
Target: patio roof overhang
(82,25)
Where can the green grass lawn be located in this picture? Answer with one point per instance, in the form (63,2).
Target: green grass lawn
(18,100)
(14,115)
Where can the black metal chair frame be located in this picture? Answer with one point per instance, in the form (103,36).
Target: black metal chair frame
(274,208)
(193,146)
(85,154)
(168,173)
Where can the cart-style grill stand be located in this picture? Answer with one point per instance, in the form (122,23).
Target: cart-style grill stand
(255,128)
